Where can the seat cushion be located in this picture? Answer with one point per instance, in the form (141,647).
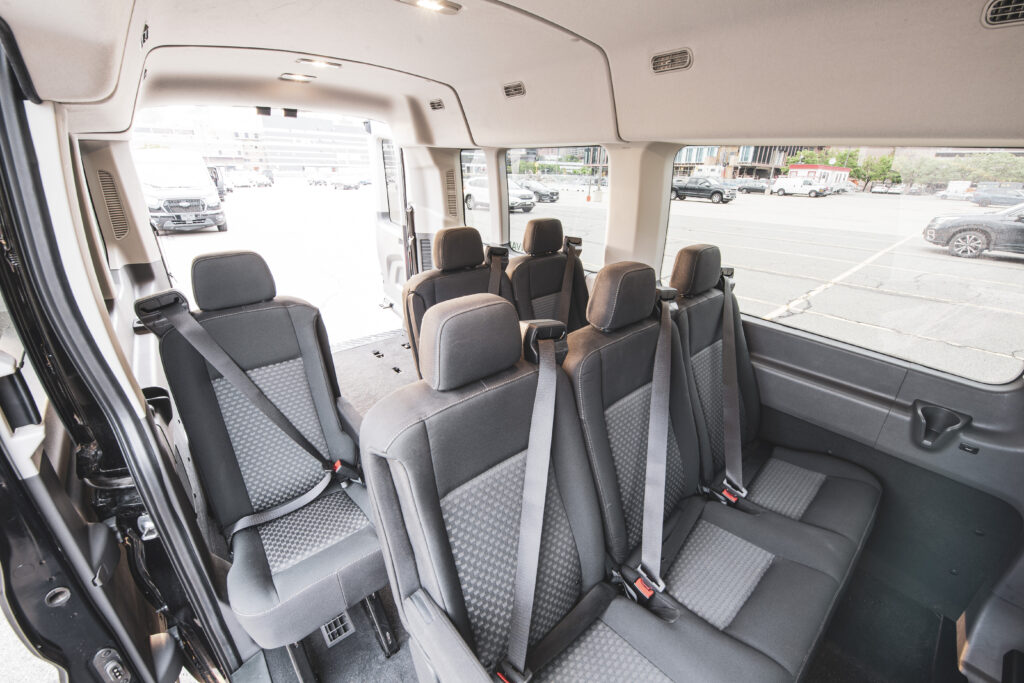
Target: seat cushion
(816,489)
(294,573)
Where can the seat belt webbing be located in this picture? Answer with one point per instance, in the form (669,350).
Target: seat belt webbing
(494,286)
(207,347)
(657,454)
(732,441)
(278,511)
(565,295)
(531,519)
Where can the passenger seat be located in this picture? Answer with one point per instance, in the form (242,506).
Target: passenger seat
(298,571)
(813,488)
(461,268)
(539,276)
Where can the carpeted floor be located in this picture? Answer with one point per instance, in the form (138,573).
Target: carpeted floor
(369,369)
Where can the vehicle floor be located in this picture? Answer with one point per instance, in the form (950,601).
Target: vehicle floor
(936,545)
(370,368)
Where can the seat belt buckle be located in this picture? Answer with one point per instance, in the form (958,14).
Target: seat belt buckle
(509,674)
(646,585)
(730,493)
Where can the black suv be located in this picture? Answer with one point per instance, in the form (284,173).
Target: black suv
(968,236)
(703,188)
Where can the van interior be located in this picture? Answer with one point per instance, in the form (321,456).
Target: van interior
(501,340)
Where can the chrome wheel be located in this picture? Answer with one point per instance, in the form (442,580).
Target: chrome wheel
(968,244)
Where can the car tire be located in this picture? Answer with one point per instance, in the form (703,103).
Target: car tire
(812,193)
(527,210)
(983,202)
(716,197)
(222,228)
(675,195)
(780,192)
(968,243)
(470,202)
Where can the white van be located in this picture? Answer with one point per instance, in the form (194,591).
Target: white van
(783,186)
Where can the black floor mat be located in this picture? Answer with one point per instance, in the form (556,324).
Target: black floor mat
(369,369)
(879,635)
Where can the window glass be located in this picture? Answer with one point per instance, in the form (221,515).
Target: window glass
(296,190)
(476,195)
(393,182)
(917,253)
(567,183)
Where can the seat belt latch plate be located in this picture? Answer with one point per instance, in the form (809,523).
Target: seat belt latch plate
(645,585)
(510,674)
(732,493)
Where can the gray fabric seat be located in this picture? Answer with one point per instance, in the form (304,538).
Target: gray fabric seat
(445,458)
(813,488)
(537,275)
(292,574)
(754,589)
(461,268)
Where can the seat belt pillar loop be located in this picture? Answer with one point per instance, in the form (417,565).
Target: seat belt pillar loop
(565,294)
(650,581)
(496,257)
(732,489)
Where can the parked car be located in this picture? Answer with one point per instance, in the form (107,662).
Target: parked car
(748,185)
(967,236)
(879,189)
(811,188)
(541,192)
(476,194)
(704,188)
(180,195)
(895,189)
(998,197)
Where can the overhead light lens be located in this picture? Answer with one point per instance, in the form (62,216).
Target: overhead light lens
(298,78)
(318,63)
(441,6)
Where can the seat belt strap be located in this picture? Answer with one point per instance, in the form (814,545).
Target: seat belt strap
(732,441)
(565,294)
(531,519)
(650,580)
(496,255)
(207,347)
(278,511)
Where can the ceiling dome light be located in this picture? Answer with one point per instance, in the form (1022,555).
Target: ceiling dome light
(439,6)
(297,78)
(318,63)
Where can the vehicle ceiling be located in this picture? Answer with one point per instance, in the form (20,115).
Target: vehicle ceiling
(887,71)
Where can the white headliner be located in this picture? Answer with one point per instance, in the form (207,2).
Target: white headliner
(897,71)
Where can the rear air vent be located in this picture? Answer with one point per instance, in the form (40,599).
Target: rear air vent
(672,61)
(436,105)
(452,195)
(115,209)
(337,629)
(426,262)
(516,89)
(1004,13)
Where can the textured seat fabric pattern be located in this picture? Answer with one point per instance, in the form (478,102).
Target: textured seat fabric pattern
(292,574)
(785,488)
(601,654)
(707,375)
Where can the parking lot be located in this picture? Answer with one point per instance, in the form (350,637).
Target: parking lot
(851,267)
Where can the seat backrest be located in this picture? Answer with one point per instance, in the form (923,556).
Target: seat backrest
(445,462)
(537,275)
(611,363)
(697,277)
(247,462)
(460,269)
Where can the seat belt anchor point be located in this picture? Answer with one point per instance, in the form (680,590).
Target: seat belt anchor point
(646,585)
(731,492)
(510,674)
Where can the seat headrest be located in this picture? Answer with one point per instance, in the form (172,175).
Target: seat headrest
(230,279)
(465,339)
(697,269)
(456,248)
(624,293)
(543,236)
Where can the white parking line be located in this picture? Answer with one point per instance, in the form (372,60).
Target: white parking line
(803,298)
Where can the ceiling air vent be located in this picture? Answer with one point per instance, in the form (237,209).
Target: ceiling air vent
(516,89)
(672,61)
(452,195)
(1004,13)
(115,209)
(436,105)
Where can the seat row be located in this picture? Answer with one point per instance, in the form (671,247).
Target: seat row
(750,566)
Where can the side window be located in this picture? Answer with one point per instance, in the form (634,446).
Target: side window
(915,253)
(475,196)
(393,181)
(567,183)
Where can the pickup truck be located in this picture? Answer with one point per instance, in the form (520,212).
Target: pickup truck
(703,188)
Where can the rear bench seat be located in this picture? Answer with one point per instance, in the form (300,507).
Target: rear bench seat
(540,282)
(814,488)
(748,591)
(290,575)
